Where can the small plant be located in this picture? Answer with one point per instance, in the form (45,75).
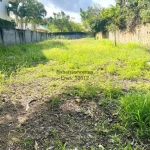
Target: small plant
(111,69)
(113,92)
(128,147)
(100,129)
(83,91)
(61,146)
(54,102)
(27,143)
(115,139)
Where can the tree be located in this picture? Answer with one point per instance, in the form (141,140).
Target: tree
(99,25)
(90,17)
(113,13)
(137,12)
(27,11)
(35,12)
(14,8)
(61,21)
(75,27)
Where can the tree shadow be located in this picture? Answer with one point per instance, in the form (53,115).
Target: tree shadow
(8,121)
(76,118)
(12,58)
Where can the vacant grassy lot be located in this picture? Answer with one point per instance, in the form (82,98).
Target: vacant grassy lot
(75,95)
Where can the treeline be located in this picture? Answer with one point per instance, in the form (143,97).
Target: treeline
(60,22)
(33,12)
(127,14)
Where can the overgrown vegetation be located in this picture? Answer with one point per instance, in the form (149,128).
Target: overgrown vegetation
(127,14)
(135,111)
(49,99)
(7,24)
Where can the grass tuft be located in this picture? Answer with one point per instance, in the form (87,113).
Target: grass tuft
(135,112)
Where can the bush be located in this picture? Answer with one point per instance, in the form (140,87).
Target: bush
(7,24)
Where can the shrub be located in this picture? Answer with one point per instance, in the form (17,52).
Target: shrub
(7,24)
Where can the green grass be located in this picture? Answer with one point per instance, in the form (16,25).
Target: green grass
(135,112)
(119,74)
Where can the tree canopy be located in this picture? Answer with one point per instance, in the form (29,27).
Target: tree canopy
(27,11)
(127,14)
(60,22)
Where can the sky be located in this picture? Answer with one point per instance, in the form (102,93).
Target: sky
(72,7)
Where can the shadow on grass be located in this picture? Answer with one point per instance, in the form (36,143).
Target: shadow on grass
(8,122)
(13,58)
(79,117)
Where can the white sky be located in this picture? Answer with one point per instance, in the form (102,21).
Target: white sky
(72,7)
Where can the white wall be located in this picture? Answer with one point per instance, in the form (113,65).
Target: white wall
(3,11)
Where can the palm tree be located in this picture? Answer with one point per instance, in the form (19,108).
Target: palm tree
(35,12)
(27,11)
(14,8)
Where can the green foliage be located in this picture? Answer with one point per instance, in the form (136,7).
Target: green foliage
(112,93)
(52,28)
(125,15)
(91,18)
(145,15)
(113,14)
(99,25)
(75,26)
(27,143)
(135,112)
(7,24)
(61,146)
(54,102)
(29,11)
(98,19)
(136,12)
(84,92)
(62,23)
(35,12)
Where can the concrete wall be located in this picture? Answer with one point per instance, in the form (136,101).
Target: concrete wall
(28,36)
(9,36)
(68,35)
(102,35)
(16,36)
(141,34)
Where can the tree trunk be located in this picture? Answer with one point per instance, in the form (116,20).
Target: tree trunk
(26,23)
(34,27)
(21,23)
(115,36)
(16,21)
